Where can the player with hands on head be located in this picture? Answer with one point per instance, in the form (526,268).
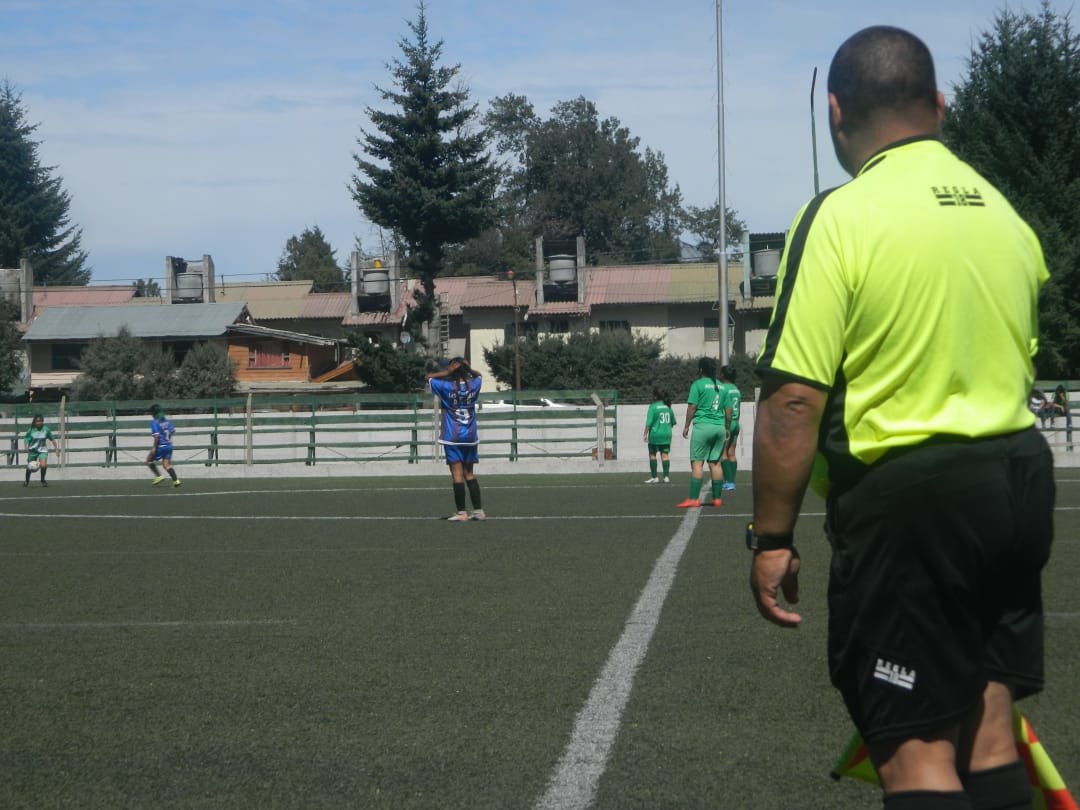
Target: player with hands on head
(939,488)
(458,387)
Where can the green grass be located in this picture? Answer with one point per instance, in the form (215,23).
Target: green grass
(331,643)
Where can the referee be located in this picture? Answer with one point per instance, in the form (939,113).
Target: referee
(895,374)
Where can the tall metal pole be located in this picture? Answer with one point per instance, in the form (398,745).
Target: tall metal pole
(722,247)
(517,341)
(813,131)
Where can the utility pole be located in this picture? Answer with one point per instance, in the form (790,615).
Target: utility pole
(517,339)
(813,132)
(722,247)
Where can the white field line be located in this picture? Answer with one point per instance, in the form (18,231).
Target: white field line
(13,626)
(157,493)
(160,518)
(574,781)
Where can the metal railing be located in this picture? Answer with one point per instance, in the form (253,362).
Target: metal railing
(325,429)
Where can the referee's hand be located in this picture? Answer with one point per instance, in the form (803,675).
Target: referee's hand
(773,571)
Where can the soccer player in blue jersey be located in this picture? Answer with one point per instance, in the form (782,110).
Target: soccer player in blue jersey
(162,451)
(458,387)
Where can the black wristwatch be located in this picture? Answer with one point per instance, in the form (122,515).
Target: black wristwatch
(767,542)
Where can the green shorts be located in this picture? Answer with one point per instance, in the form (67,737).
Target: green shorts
(707,442)
(659,448)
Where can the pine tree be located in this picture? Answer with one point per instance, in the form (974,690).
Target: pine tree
(12,354)
(309,257)
(428,176)
(34,208)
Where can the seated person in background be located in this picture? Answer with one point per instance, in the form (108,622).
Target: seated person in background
(1039,405)
(1060,405)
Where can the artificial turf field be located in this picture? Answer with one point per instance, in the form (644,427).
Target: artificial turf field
(309,643)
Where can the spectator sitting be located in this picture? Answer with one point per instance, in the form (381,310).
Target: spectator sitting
(1039,405)
(1060,405)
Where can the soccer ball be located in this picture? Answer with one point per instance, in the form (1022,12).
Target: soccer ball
(34,466)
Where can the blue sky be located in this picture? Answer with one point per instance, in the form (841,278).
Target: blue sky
(223,127)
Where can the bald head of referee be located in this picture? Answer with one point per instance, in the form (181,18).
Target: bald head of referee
(882,89)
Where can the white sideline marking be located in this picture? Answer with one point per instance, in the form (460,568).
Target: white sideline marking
(110,625)
(574,782)
(159,518)
(231,492)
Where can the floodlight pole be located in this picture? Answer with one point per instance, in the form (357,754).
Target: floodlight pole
(517,341)
(722,246)
(813,131)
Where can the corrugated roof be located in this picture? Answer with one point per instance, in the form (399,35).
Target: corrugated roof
(268,299)
(103,295)
(254,330)
(478,292)
(174,321)
(657,284)
(561,308)
(326,305)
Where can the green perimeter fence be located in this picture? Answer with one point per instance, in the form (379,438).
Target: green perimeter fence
(322,429)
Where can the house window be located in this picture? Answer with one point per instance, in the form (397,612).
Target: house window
(615,326)
(65,356)
(712,330)
(268,354)
(560,326)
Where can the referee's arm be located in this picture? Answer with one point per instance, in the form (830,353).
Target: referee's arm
(785,441)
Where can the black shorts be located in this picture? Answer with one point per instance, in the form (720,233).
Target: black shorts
(935,585)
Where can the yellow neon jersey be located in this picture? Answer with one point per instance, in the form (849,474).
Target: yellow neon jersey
(910,294)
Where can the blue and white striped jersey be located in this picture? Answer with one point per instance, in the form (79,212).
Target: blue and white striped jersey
(458,400)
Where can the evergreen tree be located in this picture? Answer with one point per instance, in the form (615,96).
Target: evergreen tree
(147,288)
(309,257)
(12,354)
(384,368)
(424,174)
(575,174)
(206,373)
(1015,117)
(580,361)
(124,367)
(630,365)
(34,208)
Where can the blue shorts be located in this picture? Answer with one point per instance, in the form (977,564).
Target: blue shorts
(463,453)
(162,453)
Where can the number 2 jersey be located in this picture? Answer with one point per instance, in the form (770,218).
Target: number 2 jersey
(458,401)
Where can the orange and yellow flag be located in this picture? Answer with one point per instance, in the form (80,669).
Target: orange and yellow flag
(1047,787)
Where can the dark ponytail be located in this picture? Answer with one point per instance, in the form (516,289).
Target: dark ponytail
(707,367)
